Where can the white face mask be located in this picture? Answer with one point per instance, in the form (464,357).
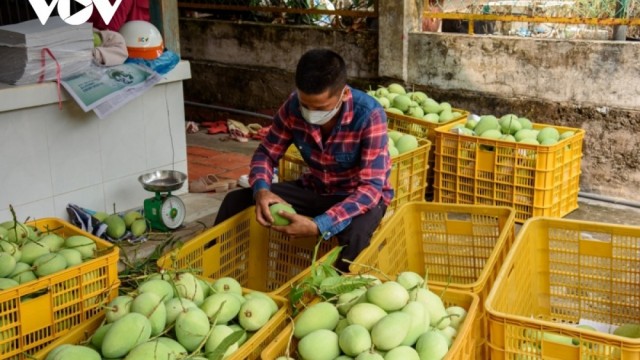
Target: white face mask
(320,117)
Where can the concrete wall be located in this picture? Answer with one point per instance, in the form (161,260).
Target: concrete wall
(251,65)
(585,73)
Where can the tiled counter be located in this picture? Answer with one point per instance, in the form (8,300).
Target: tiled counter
(51,157)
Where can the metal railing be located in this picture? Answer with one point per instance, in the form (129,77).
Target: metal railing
(535,18)
(334,13)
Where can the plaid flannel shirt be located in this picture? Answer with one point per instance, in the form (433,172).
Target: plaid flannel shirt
(353,161)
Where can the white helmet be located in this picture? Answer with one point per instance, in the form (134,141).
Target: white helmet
(143,39)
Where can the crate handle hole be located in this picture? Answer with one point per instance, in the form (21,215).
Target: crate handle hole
(459,216)
(35,295)
(487,148)
(382,245)
(211,243)
(596,236)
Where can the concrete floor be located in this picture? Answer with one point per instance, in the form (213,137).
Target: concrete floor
(202,208)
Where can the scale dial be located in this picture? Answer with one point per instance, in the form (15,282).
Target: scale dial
(172,212)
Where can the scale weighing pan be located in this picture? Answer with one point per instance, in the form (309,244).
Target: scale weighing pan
(162,180)
(163,211)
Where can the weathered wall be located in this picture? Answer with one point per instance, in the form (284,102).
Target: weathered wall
(251,65)
(591,85)
(593,73)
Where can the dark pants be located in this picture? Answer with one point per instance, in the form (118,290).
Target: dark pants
(354,237)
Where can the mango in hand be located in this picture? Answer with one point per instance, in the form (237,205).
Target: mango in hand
(279,220)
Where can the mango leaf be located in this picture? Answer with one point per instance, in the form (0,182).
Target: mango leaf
(317,276)
(295,295)
(334,286)
(320,273)
(332,257)
(329,271)
(218,353)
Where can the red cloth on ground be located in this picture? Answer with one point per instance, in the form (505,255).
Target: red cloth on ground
(127,11)
(217,127)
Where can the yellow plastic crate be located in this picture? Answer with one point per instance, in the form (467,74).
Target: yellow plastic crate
(250,350)
(463,347)
(558,273)
(408,173)
(426,130)
(258,257)
(35,313)
(536,180)
(461,246)
(420,128)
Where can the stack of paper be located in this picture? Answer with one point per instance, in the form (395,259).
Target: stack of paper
(26,50)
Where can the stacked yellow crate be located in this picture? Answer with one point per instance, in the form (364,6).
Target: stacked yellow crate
(536,180)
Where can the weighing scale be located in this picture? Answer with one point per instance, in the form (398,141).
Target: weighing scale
(164,211)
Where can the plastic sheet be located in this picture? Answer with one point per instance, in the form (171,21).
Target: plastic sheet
(162,65)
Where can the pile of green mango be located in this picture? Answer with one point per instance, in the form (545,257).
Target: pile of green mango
(395,99)
(392,320)
(26,253)
(176,316)
(511,128)
(117,225)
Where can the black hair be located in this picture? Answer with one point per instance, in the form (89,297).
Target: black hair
(320,70)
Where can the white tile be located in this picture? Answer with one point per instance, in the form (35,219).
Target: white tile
(33,210)
(165,136)
(91,197)
(176,105)
(74,150)
(158,138)
(122,141)
(126,192)
(25,174)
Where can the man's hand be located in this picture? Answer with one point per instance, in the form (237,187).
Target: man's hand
(299,226)
(264,198)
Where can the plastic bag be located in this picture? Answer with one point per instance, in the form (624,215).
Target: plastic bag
(85,221)
(162,65)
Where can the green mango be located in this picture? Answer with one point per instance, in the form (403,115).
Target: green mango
(139,227)
(116,227)
(130,217)
(631,331)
